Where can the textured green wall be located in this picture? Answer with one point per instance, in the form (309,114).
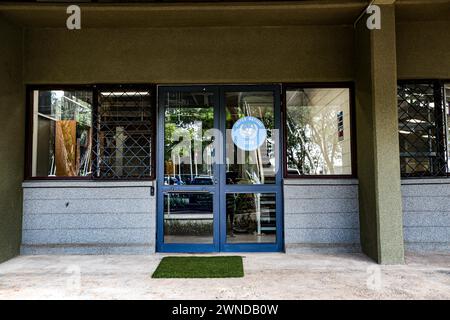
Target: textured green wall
(423,50)
(256,55)
(366,143)
(377,137)
(190,55)
(12,127)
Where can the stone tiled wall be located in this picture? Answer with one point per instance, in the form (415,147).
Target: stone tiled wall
(112,217)
(88,217)
(321,215)
(426,214)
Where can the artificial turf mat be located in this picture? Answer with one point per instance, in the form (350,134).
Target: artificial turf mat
(200,267)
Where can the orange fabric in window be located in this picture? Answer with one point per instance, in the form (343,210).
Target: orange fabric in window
(65,148)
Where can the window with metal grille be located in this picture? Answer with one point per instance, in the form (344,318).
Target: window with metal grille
(422,129)
(124,133)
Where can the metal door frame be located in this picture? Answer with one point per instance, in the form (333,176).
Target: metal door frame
(220,189)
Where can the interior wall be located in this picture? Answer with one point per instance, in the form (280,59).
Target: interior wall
(12,128)
(422,50)
(190,55)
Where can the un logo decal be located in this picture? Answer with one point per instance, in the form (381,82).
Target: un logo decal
(248,133)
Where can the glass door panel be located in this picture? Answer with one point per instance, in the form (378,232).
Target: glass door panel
(188,217)
(251,192)
(251,217)
(188,151)
(250,143)
(188,193)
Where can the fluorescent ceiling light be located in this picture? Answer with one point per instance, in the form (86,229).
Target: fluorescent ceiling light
(128,93)
(404,132)
(415,121)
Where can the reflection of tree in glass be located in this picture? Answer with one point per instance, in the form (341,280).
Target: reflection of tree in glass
(297,150)
(192,120)
(313,143)
(254,167)
(244,217)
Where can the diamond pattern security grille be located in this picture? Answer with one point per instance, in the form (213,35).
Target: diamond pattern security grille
(124,133)
(422,126)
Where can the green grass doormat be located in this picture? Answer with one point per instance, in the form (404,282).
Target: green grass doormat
(200,267)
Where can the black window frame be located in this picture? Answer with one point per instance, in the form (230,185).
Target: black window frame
(94,88)
(321,85)
(439,102)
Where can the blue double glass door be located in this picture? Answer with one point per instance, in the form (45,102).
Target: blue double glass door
(219,172)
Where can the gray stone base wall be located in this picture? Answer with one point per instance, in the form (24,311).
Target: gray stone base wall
(88,217)
(321,215)
(77,217)
(426,215)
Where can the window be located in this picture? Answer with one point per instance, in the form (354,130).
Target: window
(62,129)
(92,132)
(124,134)
(447,112)
(318,131)
(422,123)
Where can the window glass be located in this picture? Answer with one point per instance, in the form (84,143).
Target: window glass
(251,217)
(421,130)
(246,163)
(188,217)
(188,149)
(62,122)
(318,131)
(124,134)
(447,112)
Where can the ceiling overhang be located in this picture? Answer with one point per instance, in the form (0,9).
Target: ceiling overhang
(217,14)
(262,13)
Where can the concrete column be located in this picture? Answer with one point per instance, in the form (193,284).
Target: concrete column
(377,139)
(12,133)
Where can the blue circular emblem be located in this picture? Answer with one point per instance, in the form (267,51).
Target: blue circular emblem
(248,133)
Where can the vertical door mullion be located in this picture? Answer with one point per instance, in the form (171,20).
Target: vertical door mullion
(217,176)
(160,170)
(222,180)
(279,209)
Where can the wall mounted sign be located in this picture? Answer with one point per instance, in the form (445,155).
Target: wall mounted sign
(248,133)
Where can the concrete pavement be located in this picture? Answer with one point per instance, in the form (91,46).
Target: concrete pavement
(267,276)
